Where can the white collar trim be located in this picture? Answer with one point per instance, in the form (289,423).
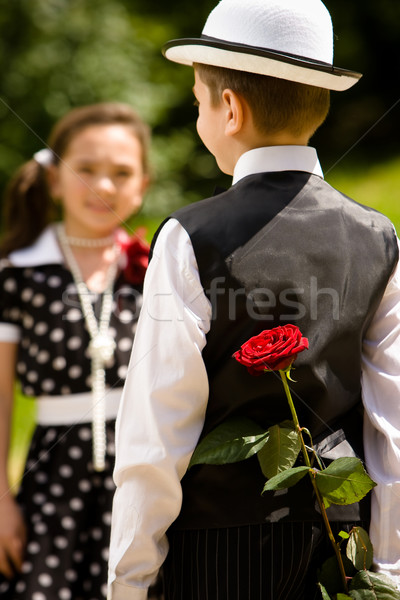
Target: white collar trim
(44,251)
(277,158)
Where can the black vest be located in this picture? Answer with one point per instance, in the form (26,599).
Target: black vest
(282,248)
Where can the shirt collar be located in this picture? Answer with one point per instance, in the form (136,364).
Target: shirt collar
(277,158)
(44,251)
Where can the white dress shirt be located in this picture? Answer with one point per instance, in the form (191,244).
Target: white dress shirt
(166,392)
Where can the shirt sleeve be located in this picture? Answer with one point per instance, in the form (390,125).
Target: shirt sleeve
(161,415)
(10,313)
(381,397)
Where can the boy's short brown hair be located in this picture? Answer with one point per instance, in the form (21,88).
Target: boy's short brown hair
(276,104)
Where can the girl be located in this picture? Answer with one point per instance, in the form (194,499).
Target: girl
(71,292)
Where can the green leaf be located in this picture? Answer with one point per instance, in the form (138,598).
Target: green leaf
(329,574)
(234,440)
(345,481)
(359,549)
(286,479)
(344,535)
(373,586)
(281,450)
(343,597)
(324,593)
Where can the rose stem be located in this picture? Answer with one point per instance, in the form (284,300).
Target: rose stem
(317,492)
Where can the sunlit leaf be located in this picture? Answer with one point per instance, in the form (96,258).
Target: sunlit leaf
(373,586)
(324,593)
(281,450)
(286,479)
(234,440)
(344,481)
(359,548)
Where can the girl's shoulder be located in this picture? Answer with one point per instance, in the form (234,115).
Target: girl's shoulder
(44,251)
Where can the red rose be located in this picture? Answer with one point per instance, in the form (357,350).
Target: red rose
(272,349)
(134,256)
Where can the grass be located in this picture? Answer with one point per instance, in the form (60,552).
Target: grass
(376,185)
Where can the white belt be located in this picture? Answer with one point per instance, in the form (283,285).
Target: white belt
(74,408)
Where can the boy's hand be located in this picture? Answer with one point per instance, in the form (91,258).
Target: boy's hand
(12,537)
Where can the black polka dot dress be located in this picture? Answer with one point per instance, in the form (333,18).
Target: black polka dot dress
(67,505)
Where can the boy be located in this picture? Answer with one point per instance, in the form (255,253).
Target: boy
(280,246)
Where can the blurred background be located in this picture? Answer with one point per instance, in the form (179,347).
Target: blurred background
(57,54)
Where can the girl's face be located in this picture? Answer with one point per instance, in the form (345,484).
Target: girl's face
(100,180)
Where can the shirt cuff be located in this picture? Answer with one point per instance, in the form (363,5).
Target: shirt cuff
(116,591)
(9,333)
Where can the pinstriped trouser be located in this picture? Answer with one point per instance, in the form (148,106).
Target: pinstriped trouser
(272,561)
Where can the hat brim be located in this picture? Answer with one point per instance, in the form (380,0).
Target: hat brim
(241,57)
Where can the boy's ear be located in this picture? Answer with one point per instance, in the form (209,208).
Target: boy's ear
(234,112)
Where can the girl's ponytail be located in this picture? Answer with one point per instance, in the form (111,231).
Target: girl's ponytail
(27,208)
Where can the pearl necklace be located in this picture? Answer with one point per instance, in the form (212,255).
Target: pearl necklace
(90,242)
(102,345)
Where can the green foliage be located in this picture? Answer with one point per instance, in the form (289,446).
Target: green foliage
(359,549)
(344,481)
(280,451)
(366,585)
(233,441)
(286,479)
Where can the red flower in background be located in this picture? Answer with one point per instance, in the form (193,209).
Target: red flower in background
(134,255)
(272,349)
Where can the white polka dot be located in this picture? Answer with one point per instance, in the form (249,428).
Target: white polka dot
(48,508)
(75,371)
(27,566)
(43,357)
(36,517)
(38,300)
(125,316)
(40,528)
(105,554)
(122,371)
(107,518)
(44,456)
(10,285)
(33,349)
(56,307)
(85,433)
(45,579)
(125,344)
(95,569)
(41,477)
(75,452)
(76,504)
(51,434)
(84,485)
(54,281)
(21,368)
(48,385)
(52,561)
(39,276)
(38,498)
(65,471)
(32,376)
(78,556)
(33,548)
(64,594)
(65,390)
(96,533)
(56,489)
(109,483)
(74,343)
(57,335)
(59,363)
(71,575)
(15,313)
(38,596)
(28,321)
(41,328)
(60,542)
(26,294)
(28,390)
(20,587)
(134,327)
(74,315)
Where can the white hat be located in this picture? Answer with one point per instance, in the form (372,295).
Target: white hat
(288,39)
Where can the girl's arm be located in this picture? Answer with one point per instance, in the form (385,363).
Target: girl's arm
(12,527)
